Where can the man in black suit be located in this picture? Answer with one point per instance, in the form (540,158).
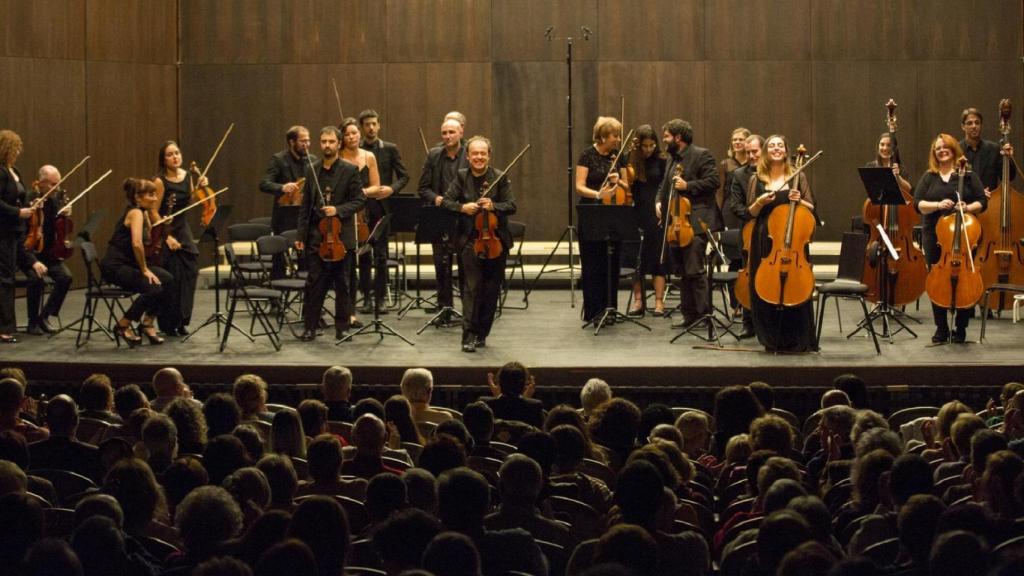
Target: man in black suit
(439,171)
(697,183)
(282,181)
(333,189)
(393,178)
(61,450)
(512,396)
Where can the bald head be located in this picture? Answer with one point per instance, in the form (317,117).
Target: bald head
(834,398)
(168,382)
(369,434)
(62,416)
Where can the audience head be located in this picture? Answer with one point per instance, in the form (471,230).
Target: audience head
(780,532)
(369,435)
(62,416)
(638,492)
(223,455)
(781,493)
(403,537)
(51,557)
(442,452)
(222,414)
(668,433)
(520,482)
(421,489)
(651,416)
(947,415)
(96,393)
(325,458)
(878,439)
(250,489)
(630,546)
(463,498)
(866,420)
(183,476)
(251,395)
(417,385)
(910,474)
(962,430)
(765,394)
(252,441)
(281,477)
(286,434)
(834,398)
(807,559)
(189,421)
(368,406)
(615,423)
(696,430)
(160,437)
(512,379)
(456,429)
(168,382)
(132,483)
(838,421)
(771,432)
(814,511)
(983,444)
(594,393)
(12,394)
(738,450)
(291,556)
(918,523)
(735,408)
(320,522)
(99,504)
(128,399)
(336,384)
(385,494)
(99,545)
(206,519)
(398,411)
(479,421)
(451,554)
(867,473)
(855,389)
(775,469)
(22,526)
(956,553)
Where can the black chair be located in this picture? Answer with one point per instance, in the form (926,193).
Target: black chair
(265,220)
(848,283)
(65,483)
(1001,288)
(291,288)
(260,302)
(96,293)
(515,262)
(721,280)
(249,232)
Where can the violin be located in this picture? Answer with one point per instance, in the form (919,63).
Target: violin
(784,277)
(362,227)
(622,195)
(64,226)
(203,194)
(1001,256)
(332,248)
(487,245)
(34,241)
(292,198)
(905,277)
(679,231)
(952,284)
(159,230)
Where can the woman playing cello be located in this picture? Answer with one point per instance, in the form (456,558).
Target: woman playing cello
(934,197)
(790,328)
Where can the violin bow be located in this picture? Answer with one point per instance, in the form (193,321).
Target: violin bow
(337,98)
(61,181)
(189,207)
(84,192)
(426,148)
(217,151)
(504,172)
(961,173)
(629,138)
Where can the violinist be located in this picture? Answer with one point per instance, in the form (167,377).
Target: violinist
(393,179)
(698,183)
(282,182)
(342,196)
(13,215)
(983,156)
(934,197)
(482,274)
(792,328)
(179,253)
(439,171)
(648,164)
(736,202)
(38,321)
(592,169)
(124,264)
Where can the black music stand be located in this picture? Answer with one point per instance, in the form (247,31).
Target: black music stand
(882,189)
(405,217)
(434,223)
(599,222)
(220,217)
(376,326)
(709,319)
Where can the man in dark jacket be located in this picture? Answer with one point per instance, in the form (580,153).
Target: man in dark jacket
(283,182)
(512,396)
(61,450)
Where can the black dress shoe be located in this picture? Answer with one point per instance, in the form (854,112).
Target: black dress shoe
(747,334)
(684,322)
(339,334)
(469,346)
(45,326)
(959,337)
(940,336)
(356,324)
(382,308)
(366,308)
(34,330)
(307,336)
(181,331)
(480,342)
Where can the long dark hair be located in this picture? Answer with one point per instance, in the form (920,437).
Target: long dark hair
(636,157)
(163,148)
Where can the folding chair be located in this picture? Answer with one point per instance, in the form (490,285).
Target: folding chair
(96,293)
(848,283)
(258,301)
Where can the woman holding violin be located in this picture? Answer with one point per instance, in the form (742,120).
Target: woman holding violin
(935,197)
(482,238)
(647,165)
(179,253)
(124,264)
(594,169)
(366,163)
(788,328)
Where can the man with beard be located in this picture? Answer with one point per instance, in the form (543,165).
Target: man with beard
(282,181)
(984,156)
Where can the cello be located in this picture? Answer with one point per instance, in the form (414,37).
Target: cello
(784,277)
(901,281)
(1001,256)
(951,284)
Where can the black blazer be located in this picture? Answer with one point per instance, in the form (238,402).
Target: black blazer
(518,408)
(463,190)
(348,198)
(392,173)
(430,178)
(11,202)
(701,175)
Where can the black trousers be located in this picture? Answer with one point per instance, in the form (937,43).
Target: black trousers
(377,259)
(689,264)
(8,266)
(941,317)
(152,297)
(322,277)
(480,290)
(443,271)
(62,279)
(184,269)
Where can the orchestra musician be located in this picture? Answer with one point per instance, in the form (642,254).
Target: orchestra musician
(179,254)
(592,167)
(39,314)
(648,165)
(393,178)
(737,205)
(342,196)
(735,157)
(698,183)
(935,197)
(482,275)
(439,172)
(790,329)
(13,215)
(124,264)
(983,156)
(369,178)
(282,182)
(883,158)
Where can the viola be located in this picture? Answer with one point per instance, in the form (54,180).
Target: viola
(954,282)
(203,194)
(679,231)
(1001,256)
(292,198)
(64,226)
(486,245)
(785,277)
(904,279)
(622,195)
(34,237)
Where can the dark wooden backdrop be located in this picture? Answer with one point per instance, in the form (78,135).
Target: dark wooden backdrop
(114,78)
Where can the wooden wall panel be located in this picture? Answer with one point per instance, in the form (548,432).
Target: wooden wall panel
(968,30)
(744,30)
(655,92)
(518,26)
(43,28)
(863,30)
(978,84)
(439,30)
(138,31)
(651,30)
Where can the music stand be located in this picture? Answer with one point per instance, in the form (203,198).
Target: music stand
(709,318)
(434,223)
(882,189)
(405,215)
(220,217)
(599,222)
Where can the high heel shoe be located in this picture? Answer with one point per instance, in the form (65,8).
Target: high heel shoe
(149,331)
(121,332)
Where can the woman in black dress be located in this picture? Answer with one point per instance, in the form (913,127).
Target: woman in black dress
(14,213)
(593,165)
(366,162)
(179,254)
(648,167)
(125,265)
(935,197)
(790,328)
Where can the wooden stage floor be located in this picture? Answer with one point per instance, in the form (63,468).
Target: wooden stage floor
(548,338)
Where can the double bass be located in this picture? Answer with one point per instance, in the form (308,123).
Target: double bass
(954,282)
(1001,256)
(901,281)
(784,277)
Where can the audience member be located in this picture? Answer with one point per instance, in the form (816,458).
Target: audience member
(369,436)
(190,424)
(169,385)
(417,387)
(594,393)
(96,399)
(336,387)
(62,450)
(251,396)
(512,395)
(402,539)
(12,396)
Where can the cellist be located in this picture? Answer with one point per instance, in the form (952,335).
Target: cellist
(934,197)
(482,273)
(38,321)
